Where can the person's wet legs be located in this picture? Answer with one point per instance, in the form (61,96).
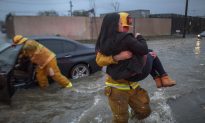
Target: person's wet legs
(57,76)
(41,76)
(162,79)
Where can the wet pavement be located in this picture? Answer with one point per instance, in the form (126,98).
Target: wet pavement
(183,60)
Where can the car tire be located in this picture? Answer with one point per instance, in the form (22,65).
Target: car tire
(79,71)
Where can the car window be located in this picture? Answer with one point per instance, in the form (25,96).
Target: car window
(54,45)
(9,55)
(69,46)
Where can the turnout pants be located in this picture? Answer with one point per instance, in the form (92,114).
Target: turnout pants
(51,67)
(119,100)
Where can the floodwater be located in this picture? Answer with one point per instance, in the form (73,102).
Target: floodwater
(183,59)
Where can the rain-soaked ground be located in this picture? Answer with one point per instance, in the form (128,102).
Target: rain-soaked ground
(184,61)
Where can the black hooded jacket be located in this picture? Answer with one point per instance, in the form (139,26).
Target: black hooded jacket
(126,68)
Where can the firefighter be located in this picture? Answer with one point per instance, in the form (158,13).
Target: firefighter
(44,59)
(122,93)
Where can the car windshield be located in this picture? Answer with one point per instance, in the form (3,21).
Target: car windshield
(8,55)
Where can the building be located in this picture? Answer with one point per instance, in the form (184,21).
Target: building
(135,13)
(194,24)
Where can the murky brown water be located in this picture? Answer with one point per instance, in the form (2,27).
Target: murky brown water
(183,59)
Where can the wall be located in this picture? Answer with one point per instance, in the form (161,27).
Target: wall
(153,26)
(73,27)
(80,28)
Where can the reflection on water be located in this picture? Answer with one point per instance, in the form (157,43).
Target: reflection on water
(197,47)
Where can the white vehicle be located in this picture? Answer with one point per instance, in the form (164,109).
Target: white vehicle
(202,34)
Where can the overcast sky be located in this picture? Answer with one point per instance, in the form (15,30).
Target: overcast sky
(32,7)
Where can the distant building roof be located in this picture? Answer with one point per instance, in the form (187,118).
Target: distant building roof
(166,15)
(171,15)
(140,13)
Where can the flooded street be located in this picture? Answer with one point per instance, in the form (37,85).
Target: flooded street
(183,60)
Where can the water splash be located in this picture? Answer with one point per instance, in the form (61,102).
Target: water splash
(98,118)
(83,115)
(85,86)
(161,111)
(89,91)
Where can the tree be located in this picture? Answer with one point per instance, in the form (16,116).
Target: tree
(115,4)
(48,13)
(92,6)
(80,13)
(9,16)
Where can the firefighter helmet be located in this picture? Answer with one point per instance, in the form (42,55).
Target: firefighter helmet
(125,19)
(19,39)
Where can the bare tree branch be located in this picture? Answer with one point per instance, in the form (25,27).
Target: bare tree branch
(115,4)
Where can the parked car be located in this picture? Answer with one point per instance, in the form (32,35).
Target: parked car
(202,34)
(75,60)
(3,29)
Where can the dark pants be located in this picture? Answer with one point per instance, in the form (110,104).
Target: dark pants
(153,67)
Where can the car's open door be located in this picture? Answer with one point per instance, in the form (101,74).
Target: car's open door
(8,57)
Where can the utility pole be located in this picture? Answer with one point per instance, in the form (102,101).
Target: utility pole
(71,6)
(185,19)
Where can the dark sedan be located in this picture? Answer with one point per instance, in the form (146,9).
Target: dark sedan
(75,60)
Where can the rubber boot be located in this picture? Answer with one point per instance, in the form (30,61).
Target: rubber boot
(158,82)
(167,81)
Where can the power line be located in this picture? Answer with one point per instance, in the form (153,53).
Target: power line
(32,2)
(71,6)
(2,10)
(23,3)
(33,12)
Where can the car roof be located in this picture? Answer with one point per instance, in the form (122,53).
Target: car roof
(4,45)
(48,37)
(39,37)
(55,37)
(61,38)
